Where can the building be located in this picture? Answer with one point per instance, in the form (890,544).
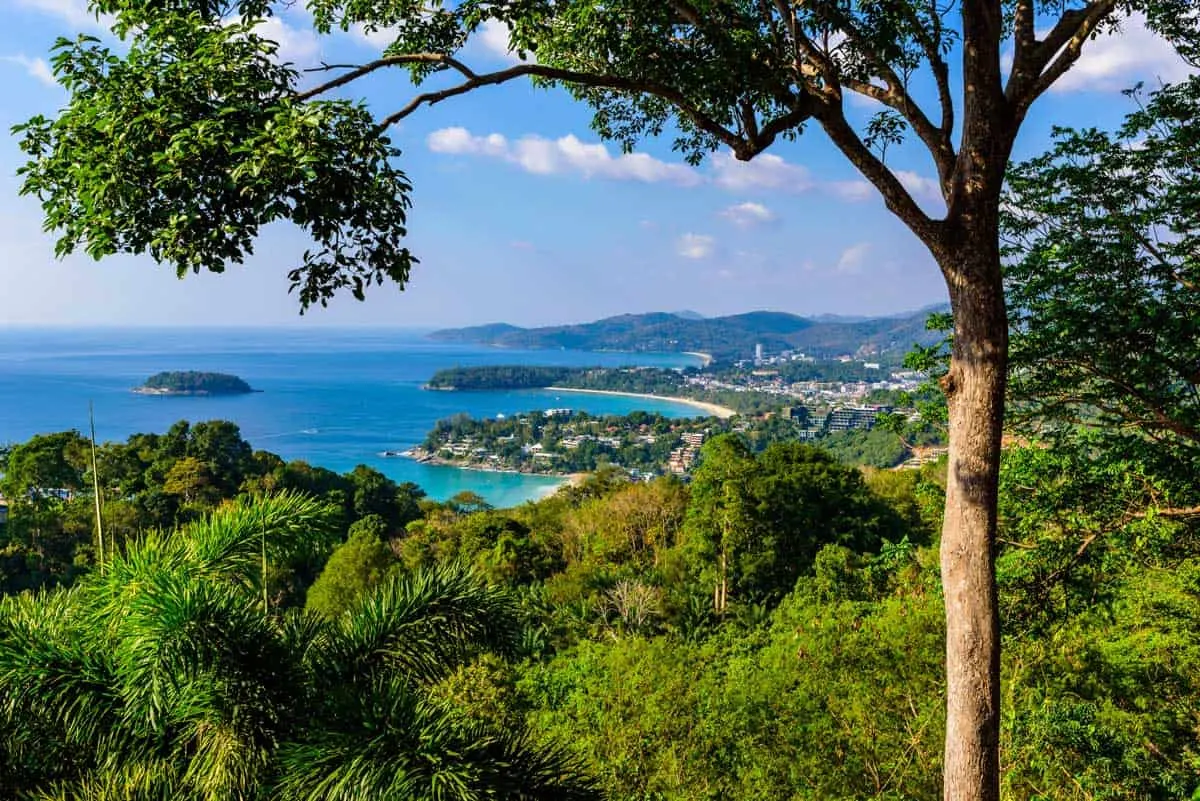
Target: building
(797,414)
(848,418)
(680,460)
(758,353)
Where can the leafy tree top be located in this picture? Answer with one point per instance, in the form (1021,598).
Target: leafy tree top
(1104,282)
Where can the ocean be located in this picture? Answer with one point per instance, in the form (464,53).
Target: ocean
(335,398)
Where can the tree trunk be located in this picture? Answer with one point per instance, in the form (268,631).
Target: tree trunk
(975,393)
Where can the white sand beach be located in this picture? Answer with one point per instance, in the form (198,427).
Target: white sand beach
(723,412)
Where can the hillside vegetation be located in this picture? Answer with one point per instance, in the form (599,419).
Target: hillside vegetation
(772,630)
(732,337)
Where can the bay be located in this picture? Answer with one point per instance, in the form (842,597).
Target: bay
(332,397)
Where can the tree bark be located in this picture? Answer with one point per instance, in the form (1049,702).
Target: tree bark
(974,387)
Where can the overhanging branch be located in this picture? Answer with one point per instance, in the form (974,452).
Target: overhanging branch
(358,71)
(895,95)
(833,121)
(743,147)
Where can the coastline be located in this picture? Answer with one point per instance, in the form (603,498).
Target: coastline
(714,410)
(705,358)
(186,393)
(422,456)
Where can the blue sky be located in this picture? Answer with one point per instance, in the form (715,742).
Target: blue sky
(522,214)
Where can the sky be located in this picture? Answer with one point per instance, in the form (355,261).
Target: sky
(522,214)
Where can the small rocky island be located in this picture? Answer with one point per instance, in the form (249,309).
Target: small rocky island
(192,382)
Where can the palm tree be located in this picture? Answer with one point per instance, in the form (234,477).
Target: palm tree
(166,677)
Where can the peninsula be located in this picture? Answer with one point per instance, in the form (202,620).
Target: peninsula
(640,382)
(192,382)
(564,442)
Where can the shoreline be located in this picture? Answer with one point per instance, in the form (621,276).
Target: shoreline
(422,456)
(705,358)
(713,409)
(187,393)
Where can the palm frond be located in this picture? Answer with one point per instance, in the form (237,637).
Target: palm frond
(229,541)
(422,625)
(164,678)
(58,708)
(391,744)
(131,780)
(518,769)
(176,629)
(226,546)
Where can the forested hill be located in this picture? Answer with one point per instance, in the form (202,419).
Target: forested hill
(192,382)
(732,337)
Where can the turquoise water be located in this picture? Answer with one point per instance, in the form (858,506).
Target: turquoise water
(335,398)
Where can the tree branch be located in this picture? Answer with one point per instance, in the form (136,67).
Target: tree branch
(897,97)
(742,148)
(1171,512)
(937,64)
(777,35)
(1023,31)
(833,121)
(1059,50)
(359,71)
(810,60)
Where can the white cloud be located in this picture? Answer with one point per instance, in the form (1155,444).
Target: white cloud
(854,191)
(920,186)
(853,258)
(748,214)
(295,44)
(1113,62)
(566,155)
(37,68)
(695,246)
(766,171)
(492,38)
(569,155)
(460,141)
(298,46)
(377,39)
(865,102)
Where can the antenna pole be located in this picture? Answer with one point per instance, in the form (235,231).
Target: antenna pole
(266,602)
(96,487)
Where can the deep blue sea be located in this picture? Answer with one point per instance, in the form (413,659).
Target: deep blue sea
(335,398)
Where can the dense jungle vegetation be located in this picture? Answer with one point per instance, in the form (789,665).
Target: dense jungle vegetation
(773,629)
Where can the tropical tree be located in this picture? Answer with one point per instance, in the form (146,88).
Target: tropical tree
(165,676)
(719,513)
(757,522)
(355,567)
(192,137)
(1104,285)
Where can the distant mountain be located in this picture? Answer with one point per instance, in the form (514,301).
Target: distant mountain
(731,337)
(486,334)
(924,311)
(688,314)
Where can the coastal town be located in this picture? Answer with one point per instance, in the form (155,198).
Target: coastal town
(564,441)
(774,397)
